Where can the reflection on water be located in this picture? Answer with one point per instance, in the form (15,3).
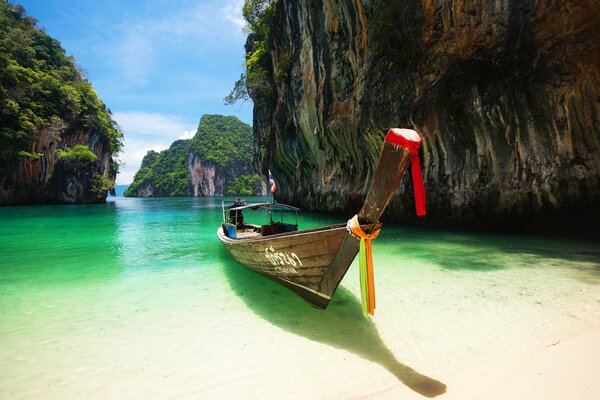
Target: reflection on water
(342,325)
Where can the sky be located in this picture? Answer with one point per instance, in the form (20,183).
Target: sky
(159,65)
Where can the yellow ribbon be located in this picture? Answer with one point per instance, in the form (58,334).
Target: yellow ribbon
(367,281)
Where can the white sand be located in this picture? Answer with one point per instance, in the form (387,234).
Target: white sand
(568,368)
(456,320)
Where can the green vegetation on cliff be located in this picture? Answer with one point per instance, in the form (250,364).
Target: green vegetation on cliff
(39,86)
(224,143)
(244,185)
(166,171)
(258,78)
(78,152)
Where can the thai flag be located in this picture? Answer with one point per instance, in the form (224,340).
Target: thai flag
(272,182)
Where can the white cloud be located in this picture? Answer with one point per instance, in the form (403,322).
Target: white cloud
(138,46)
(233,13)
(144,132)
(125,176)
(131,158)
(138,150)
(153,124)
(187,135)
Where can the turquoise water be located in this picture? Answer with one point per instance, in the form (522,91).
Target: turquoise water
(136,298)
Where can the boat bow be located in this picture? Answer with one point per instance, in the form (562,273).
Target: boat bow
(313,262)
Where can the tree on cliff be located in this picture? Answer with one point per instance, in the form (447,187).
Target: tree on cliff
(259,15)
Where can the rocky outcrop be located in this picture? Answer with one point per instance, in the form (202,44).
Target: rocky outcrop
(204,178)
(146,190)
(505,94)
(48,178)
(217,161)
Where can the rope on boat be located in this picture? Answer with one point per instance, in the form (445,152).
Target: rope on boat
(367,281)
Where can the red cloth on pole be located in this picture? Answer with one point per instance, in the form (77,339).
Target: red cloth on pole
(411,140)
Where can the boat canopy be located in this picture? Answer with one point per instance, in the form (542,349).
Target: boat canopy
(266,206)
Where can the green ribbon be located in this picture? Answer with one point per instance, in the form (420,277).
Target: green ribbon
(364,291)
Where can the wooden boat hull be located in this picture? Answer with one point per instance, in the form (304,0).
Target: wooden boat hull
(313,262)
(302,261)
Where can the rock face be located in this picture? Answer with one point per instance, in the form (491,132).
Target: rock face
(49,178)
(145,190)
(506,95)
(204,178)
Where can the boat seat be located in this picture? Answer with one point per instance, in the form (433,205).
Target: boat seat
(278,227)
(229,230)
(267,230)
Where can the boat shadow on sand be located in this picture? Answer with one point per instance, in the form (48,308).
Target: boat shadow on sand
(341,326)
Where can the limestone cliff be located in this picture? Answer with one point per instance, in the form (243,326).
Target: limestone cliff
(50,178)
(217,161)
(57,139)
(204,178)
(506,95)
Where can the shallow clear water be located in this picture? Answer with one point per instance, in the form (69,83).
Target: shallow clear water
(137,299)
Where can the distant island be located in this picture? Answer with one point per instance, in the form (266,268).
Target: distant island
(120,190)
(57,138)
(217,161)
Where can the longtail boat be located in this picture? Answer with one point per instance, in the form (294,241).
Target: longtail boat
(312,262)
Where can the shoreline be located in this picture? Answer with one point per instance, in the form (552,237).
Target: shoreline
(565,367)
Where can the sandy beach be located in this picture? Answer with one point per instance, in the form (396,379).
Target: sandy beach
(565,368)
(159,314)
